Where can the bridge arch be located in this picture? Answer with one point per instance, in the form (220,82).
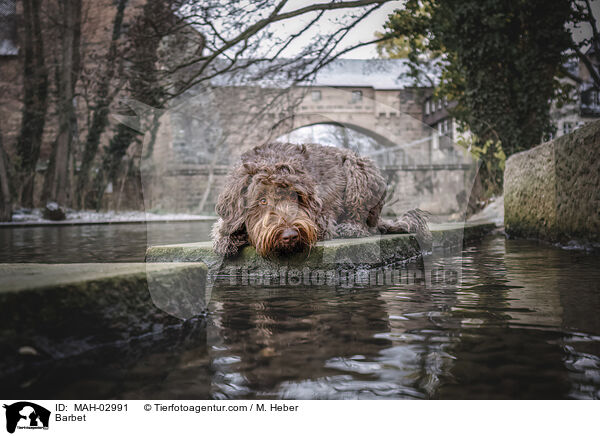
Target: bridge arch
(378,138)
(362,140)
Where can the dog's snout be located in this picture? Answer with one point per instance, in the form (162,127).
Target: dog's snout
(290,236)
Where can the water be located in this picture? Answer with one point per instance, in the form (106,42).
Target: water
(94,243)
(524,324)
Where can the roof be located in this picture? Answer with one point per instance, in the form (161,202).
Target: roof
(371,73)
(360,73)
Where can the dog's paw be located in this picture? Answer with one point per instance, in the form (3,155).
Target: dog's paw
(227,245)
(413,221)
(416,221)
(351,230)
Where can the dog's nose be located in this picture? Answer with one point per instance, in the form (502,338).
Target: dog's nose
(289,236)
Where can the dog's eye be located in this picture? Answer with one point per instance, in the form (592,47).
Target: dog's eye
(262,201)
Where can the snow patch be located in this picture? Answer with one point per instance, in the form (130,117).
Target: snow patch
(493,211)
(34,216)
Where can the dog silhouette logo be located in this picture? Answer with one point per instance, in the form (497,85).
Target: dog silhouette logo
(26,415)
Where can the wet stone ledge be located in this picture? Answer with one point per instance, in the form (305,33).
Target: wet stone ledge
(53,311)
(359,253)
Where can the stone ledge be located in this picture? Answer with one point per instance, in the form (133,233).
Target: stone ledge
(374,251)
(65,309)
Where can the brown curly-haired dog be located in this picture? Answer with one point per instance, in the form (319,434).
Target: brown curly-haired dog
(283,198)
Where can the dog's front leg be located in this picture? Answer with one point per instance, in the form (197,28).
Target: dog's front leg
(413,221)
(225,244)
(351,230)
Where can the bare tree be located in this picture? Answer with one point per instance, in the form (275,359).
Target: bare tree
(169,48)
(239,34)
(5,195)
(57,186)
(588,49)
(101,105)
(156,22)
(35,92)
(233,38)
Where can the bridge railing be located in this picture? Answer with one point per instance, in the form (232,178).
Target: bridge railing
(431,152)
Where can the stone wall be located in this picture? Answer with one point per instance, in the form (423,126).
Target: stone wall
(551,192)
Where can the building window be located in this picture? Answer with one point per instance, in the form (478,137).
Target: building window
(356,96)
(567,128)
(426,107)
(316,95)
(439,105)
(444,126)
(8,28)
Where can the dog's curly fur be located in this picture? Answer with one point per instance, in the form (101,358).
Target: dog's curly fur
(285,197)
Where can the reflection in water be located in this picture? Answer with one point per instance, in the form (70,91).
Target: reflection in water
(523,325)
(94,243)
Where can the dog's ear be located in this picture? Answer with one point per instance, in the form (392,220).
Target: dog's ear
(231,205)
(250,168)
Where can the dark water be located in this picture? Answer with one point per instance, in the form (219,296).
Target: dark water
(94,243)
(524,324)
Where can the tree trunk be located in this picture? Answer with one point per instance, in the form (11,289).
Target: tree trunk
(112,160)
(143,85)
(100,118)
(57,184)
(211,178)
(5,197)
(35,93)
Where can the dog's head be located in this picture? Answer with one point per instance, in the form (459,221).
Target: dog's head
(275,205)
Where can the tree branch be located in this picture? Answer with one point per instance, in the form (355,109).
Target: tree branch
(273,18)
(586,61)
